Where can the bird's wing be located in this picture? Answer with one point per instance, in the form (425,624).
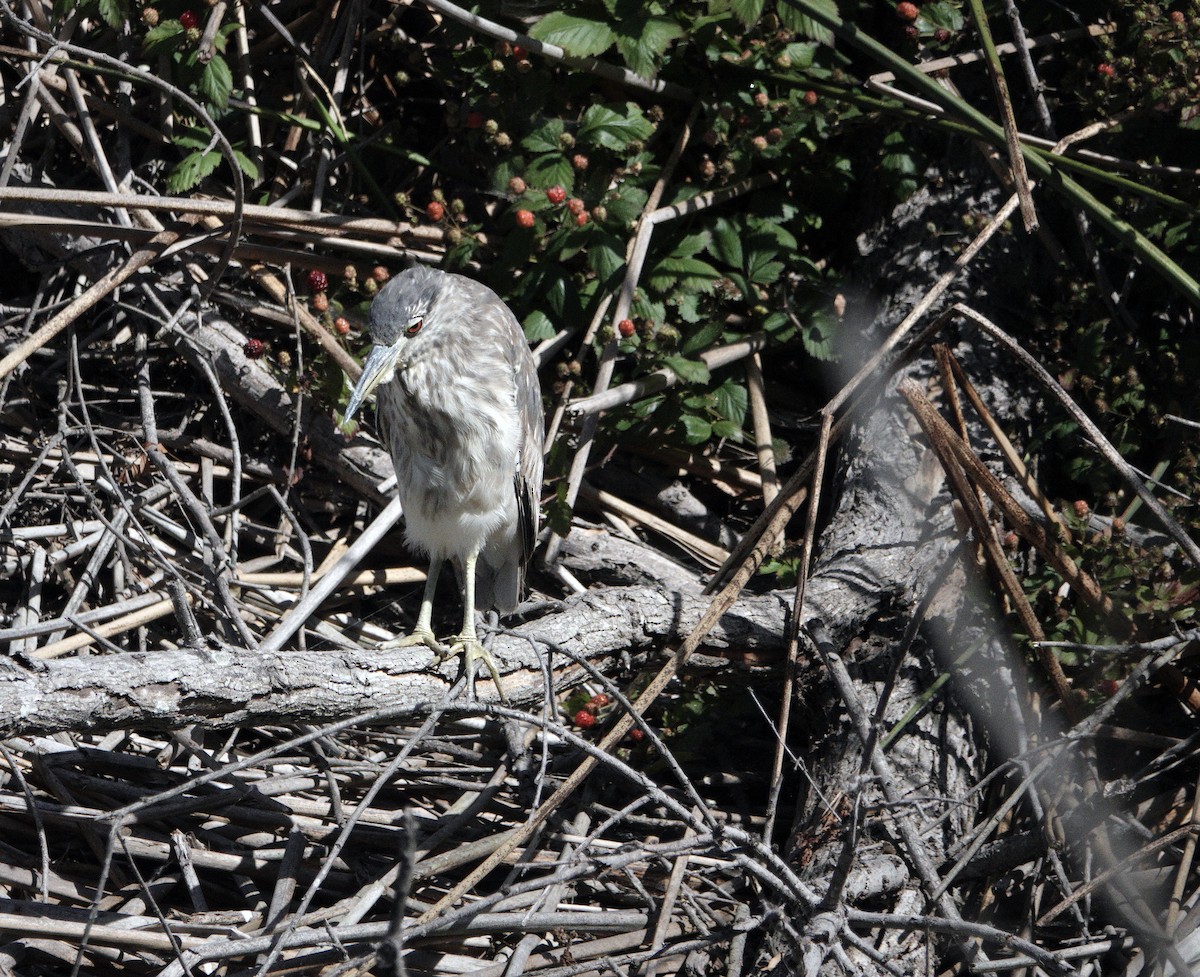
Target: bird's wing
(528,477)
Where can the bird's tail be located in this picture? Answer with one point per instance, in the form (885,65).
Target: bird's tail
(498,586)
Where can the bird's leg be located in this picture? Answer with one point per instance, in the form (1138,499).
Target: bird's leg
(466,640)
(422,634)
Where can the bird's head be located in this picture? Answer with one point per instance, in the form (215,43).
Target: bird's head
(403,316)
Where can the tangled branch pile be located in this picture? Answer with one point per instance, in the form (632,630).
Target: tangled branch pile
(210,765)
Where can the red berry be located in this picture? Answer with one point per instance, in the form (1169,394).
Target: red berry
(581,219)
(576,206)
(1108,687)
(342,325)
(380,274)
(636,735)
(626,328)
(519,52)
(1082,509)
(556,194)
(584,719)
(1107,70)
(188,20)
(907,11)
(254,348)
(810,97)
(435,210)
(1177,17)
(516,185)
(600,700)
(524,218)
(317,281)
(941,35)
(475,120)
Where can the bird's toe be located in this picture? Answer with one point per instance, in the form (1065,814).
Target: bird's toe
(473,651)
(420,636)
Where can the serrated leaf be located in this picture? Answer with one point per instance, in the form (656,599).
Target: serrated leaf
(801,54)
(190,170)
(761,267)
(690,371)
(727,430)
(545,138)
(696,429)
(644,308)
(693,274)
(726,243)
(216,81)
(690,245)
(732,402)
(687,304)
(795,19)
(578,36)
(626,205)
(614,126)
(113,12)
(550,170)
(645,44)
(247,165)
(747,11)
(702,338)
(606,256)
(538,326)
(160,37)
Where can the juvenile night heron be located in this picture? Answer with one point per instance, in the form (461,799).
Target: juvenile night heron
(460,410)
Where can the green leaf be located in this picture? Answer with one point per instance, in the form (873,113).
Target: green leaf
(702,338)
(160,37)
(549,170)
(216,81)
(614,126)
(690,245)
(727,430)
(577,36)
(190,170)
(626,205)
(545,139)
(247,165)
(649,38)
(761,267)
(693,274)
(690,371)
(747,11)
(732,402)
(801,54)
(726,244)
(606,256)
(696,429)
(688,306)
(113,12)
(795,19)
(538,327)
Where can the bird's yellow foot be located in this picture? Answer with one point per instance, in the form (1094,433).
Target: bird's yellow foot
(473,651)
(420,636)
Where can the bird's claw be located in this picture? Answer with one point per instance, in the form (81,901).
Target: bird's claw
(420,636)
(473,651)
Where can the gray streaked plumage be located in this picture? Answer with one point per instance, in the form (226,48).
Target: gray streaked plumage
(460,410)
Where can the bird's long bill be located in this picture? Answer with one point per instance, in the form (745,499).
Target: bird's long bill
(379,367)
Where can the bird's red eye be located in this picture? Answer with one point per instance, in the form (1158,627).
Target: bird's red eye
(414,327)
